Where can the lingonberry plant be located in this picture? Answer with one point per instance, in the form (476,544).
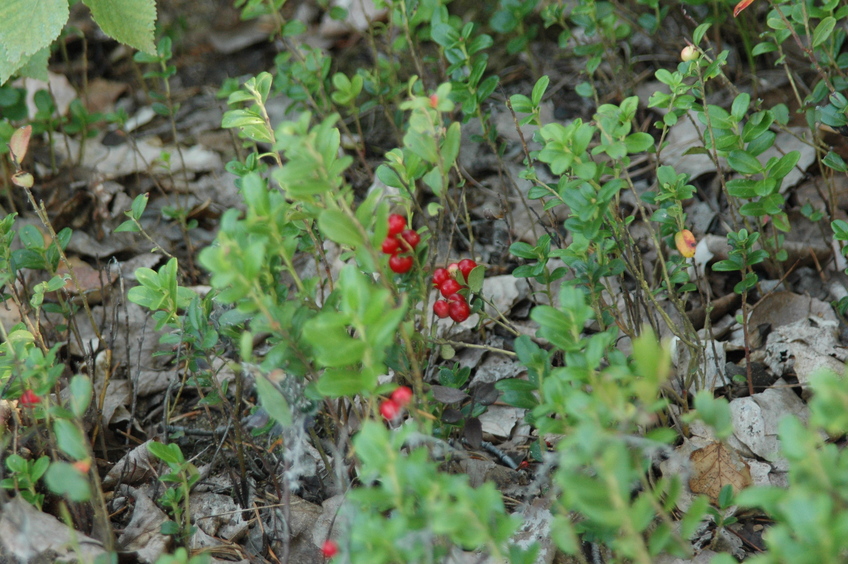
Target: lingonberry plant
(322,294)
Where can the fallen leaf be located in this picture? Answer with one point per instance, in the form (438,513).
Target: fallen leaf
(143,533)
(26,533)
(447,395)
(102,93)
(715,466)
(91,281)
(473,432)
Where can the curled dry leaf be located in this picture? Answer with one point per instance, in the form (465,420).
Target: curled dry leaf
(715,466)
(134,468)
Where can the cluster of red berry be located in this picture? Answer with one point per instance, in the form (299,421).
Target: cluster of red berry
(391,407)
(454,305)
(399,242)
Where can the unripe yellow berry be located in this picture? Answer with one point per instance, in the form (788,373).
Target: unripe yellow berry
(689,53)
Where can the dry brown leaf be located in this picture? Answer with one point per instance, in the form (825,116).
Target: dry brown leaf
(715,466)
(91,281)
(102,94)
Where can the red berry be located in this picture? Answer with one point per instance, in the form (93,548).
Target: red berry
(402,396)
(389,409)
(397,223)
(439,276)
(329,548)
(391,245)
(82,466)
(440,308)
(29,399)
(453,267)
(399,264)
(457,298)
(466,266)
(459,311)
(449,287)
(411,237)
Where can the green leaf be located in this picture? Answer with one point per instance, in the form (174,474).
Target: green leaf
(139,204)
(551,318)
(521,104)
(638,142)
(27,27)
(339,227)
(148,278)
(35,66)
(563,534)
(242,118)
(146,297)
(421,144)
(715,412)
(40,467)
(744,163)
(763,48)
(519,398)
(55,283)
(746,284)
(169,454)
(70,439)
(80,394)
(16,463)
(475,279)
(725,497)
(273,401)
(726,266)
(450,146)
(740,106)
(170,528)
(835,162)
(693,516)
(515,385)
(341,81)
(823,31)
(129,21)
(333,346)
(293,27)
(340,382)
(840,229)
(31,237)
(434,180)
(699,32)
(64,479)
(784,165)
(128,226)
(523,250)
(539,89)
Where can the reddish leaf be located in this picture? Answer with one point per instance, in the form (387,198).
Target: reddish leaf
(741,6)
(19,143)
